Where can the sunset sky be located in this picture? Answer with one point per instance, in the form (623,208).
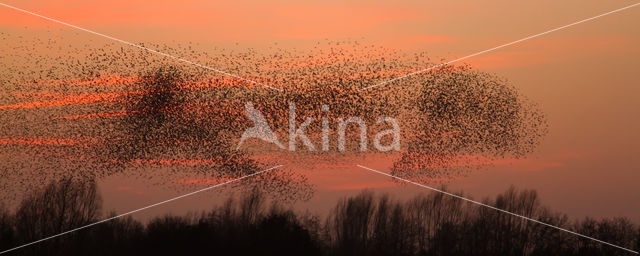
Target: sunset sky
(584,78)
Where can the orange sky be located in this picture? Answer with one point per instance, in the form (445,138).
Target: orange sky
(584,78)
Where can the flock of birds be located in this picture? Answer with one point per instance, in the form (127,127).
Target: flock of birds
(92,110)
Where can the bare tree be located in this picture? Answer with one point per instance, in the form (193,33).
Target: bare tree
(6,228)
(59,207)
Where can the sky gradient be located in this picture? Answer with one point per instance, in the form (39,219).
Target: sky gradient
(584,78)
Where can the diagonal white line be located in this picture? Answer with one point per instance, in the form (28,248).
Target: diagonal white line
(497,47)
(140,209)
(143,48)
(495,208)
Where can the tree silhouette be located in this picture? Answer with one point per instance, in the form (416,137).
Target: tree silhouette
(59,207)
(6,228)
(364,224)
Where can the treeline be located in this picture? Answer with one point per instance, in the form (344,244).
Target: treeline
(366,224)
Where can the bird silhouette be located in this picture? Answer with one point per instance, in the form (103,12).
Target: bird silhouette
(261,130)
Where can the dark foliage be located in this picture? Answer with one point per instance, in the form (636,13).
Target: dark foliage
(366,224)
